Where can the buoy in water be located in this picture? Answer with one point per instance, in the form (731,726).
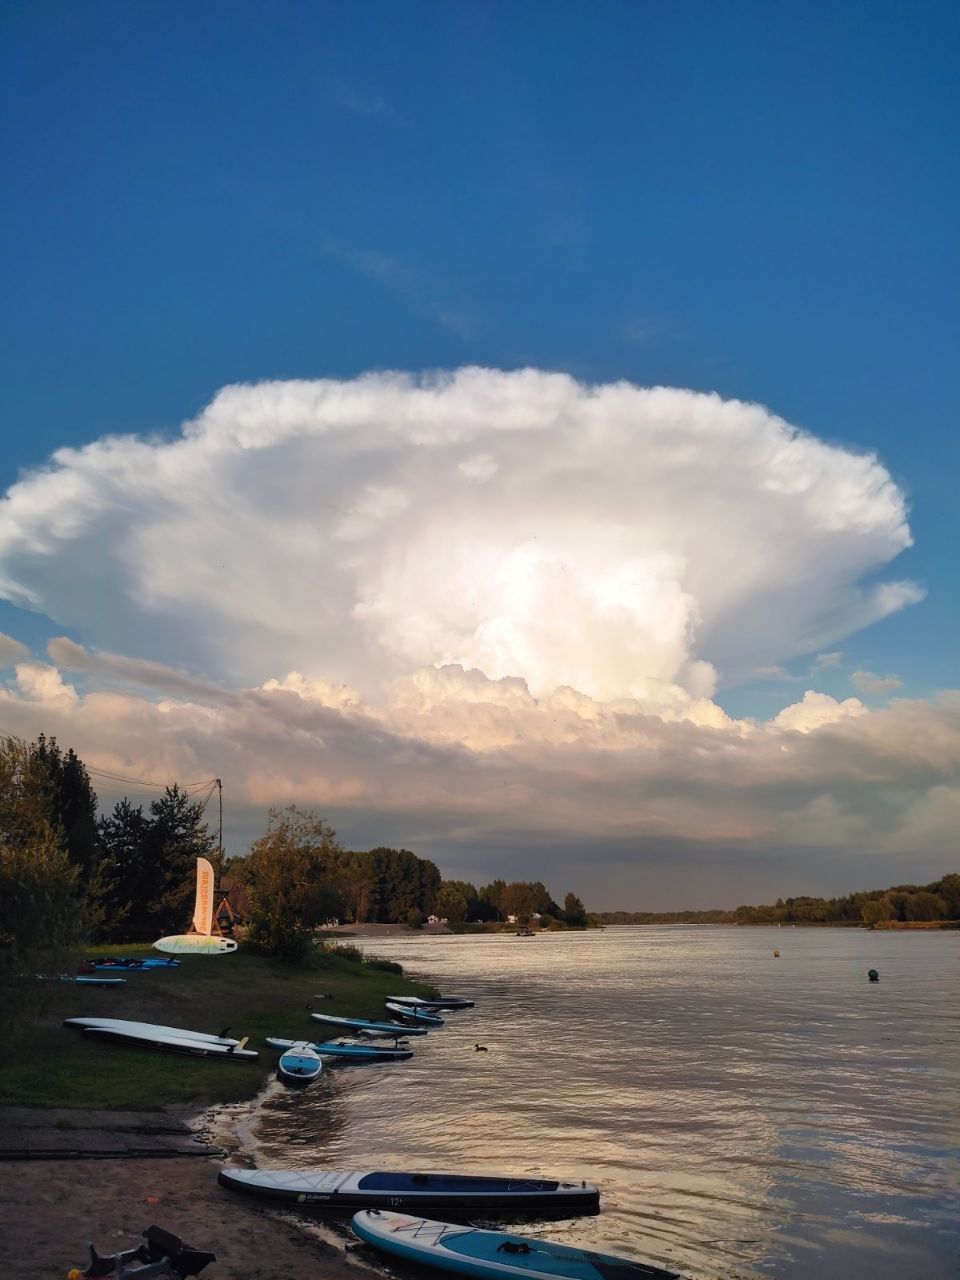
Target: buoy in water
(777,954)
(873,975)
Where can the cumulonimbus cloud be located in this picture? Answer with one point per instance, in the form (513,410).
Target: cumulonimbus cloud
(479,609)
(618,540)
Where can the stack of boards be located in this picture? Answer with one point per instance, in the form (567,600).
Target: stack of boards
(169,1039)
(439,1002)
(414,1013)
(472,1252)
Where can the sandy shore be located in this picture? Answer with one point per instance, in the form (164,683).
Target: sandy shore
(49,1209)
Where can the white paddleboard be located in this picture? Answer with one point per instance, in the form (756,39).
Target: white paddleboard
(174,1044)
(194,944)
(125,1024)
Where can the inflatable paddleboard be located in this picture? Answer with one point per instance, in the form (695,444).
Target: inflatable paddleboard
(124,1024)
(353,1189)
(368,1027)
(299,1065)
(440,1002)
(414,1014)
(91,980)
(492,1254)
(362,1052)
(194,944)
(174,1044)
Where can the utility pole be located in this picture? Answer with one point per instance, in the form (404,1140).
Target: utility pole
(219,782)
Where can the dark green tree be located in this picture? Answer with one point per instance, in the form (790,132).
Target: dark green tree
(127,877)
(165,881)
(43,912)
(73,806)
(574,912)
(291,882)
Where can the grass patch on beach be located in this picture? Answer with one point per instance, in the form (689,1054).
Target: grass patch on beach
(44,1064)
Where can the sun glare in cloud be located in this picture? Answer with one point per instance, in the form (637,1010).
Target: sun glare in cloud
(492,596)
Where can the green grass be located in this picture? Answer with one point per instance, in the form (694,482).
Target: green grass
(48,1065)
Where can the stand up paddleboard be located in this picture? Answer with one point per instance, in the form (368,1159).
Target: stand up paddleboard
(360,1052)
(202,942)
(171,1039)
(126,1024)
(353,1189)
(194,944)
(492,1254)
(414,1014)
(368,1027)
(440,1002)
(174,1044)
(299,1065)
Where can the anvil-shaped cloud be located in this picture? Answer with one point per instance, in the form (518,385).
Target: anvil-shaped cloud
(619,540)
(481,611)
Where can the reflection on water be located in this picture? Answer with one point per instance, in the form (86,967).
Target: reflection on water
(744,1116)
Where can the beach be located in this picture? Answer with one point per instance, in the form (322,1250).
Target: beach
(50,1209)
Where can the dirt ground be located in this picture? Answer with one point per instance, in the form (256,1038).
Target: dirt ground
(50,1209)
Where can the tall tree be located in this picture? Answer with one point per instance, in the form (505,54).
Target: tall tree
(291,882)
(43,916)
(176,837)
(73,805)
(127,878)
(574,912)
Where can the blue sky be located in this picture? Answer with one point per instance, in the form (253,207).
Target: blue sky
(750,199)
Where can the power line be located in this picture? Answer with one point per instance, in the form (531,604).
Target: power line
(144,782)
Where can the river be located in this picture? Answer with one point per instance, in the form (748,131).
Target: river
(745,1116)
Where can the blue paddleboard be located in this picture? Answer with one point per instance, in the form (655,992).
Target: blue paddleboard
(490,1254)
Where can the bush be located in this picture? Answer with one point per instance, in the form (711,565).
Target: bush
(388,966)
(348,952)
(415,919)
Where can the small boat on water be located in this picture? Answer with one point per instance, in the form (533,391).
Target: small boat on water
(368,1027)
(358,1052)
(299,1065)
(353,1189)
(439,1002)
(472,1252)
(414,1014)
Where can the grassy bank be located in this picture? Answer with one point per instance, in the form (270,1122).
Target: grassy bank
(44,1064)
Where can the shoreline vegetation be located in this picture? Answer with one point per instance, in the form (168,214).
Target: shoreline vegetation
(903,906)
(252,995)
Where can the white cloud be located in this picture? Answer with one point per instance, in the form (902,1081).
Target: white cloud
(870,682)
(816,710)
(613,539)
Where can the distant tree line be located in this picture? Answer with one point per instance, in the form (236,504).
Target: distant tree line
(904,903)
(297,876)
(70,875)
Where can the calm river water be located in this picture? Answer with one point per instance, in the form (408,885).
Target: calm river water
(744,1116)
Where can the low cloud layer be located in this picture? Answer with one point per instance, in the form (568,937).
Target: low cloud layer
(475,772)
(484,613)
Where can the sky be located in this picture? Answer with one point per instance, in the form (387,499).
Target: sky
(521,433)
